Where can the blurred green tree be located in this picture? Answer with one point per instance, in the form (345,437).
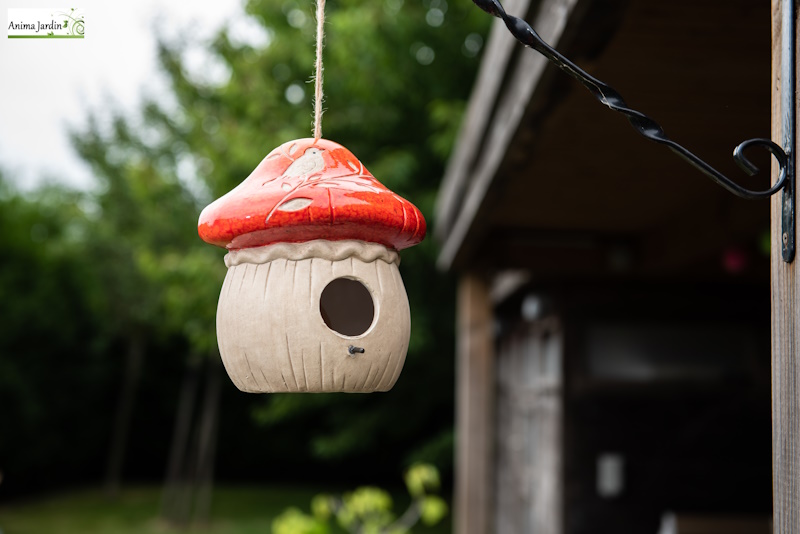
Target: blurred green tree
(49,332)
(137,187)
(154,279)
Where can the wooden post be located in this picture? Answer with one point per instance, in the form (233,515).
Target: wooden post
(474,407)
(785,332)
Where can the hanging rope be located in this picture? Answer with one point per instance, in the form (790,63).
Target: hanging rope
(318,71)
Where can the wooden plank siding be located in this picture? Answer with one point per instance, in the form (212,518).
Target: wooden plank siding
(474,406)
(529,480)
(785,330)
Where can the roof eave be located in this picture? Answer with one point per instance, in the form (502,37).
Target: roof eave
(503,90)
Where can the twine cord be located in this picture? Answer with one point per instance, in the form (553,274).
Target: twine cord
(318,71)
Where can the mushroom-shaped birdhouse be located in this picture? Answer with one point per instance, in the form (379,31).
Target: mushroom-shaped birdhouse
(312,300)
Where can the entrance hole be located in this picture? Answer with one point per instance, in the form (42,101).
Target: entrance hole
(346,307)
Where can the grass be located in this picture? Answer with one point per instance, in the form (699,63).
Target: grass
(235,510)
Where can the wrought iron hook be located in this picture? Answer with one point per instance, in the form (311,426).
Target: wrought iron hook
(643,124)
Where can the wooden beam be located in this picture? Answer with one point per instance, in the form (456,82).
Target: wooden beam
(487,153)
(785,332)
(491,74)
(474,407)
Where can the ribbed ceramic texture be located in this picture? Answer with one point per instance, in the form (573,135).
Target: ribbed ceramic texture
(273,339)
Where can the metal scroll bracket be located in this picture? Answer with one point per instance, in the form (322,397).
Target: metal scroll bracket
(650,129)
(788,48)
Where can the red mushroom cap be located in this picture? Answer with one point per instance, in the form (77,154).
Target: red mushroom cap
(305,190)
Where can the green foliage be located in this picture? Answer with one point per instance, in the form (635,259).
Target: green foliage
(236,510)
(421,479)
(49,332)
(322,507)
(293,521)
(368,509)
(433,509)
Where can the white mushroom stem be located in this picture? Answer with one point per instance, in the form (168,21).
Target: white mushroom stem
(270,327)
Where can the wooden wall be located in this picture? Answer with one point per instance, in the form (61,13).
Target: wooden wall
(785,322)
(528,476)
(475,389)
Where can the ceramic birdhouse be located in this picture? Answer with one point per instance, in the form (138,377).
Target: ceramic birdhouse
(313,300)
